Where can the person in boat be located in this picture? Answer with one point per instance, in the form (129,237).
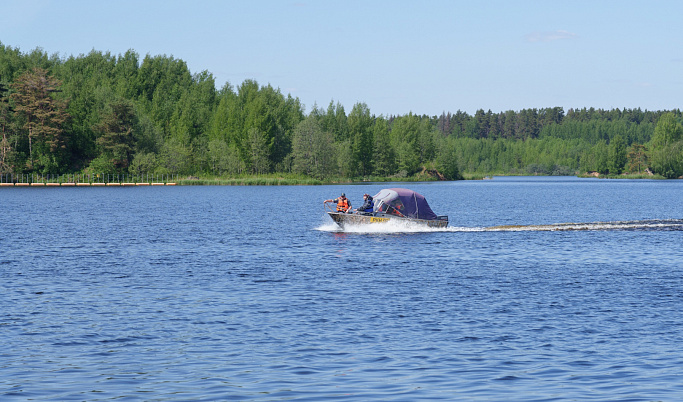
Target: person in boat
(343,203)
(395,209)
(368,205)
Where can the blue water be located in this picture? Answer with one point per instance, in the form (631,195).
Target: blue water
(252,293)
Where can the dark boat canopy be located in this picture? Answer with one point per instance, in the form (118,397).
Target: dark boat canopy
(403,202)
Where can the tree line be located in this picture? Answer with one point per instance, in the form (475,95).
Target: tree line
(117,114)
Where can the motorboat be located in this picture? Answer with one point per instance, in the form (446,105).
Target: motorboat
(396,205)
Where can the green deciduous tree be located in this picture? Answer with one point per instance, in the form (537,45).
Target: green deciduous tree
(223,158)
(313,150)
(184,125)
(143,163)
(258,151)
(175,158)
(360,132)
(226,121)
(667,131)
(601,155)
(617,155)
(384,157)
(447,161)
(425,142)
(344,155)
(667,147)
(407,159)
(404,135)
(668,161)
(257,108)
(192,112)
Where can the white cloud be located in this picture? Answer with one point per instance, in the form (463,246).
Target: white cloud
(549,36)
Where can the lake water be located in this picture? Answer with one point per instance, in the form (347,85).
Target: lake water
(252,293)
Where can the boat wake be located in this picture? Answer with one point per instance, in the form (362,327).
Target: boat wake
(642,225)
(390,227)
(406,227)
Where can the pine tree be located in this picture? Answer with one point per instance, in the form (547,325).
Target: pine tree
(637,158)
(117,134)
(43,118)
(6,150)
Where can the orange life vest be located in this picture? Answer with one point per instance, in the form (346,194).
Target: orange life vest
(342,204)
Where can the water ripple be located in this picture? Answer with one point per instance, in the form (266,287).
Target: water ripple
(179,296)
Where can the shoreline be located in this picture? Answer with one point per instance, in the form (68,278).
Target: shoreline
(71,184)
(282,181)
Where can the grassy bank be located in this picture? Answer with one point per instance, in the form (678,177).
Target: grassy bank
(291,180)
(249,181)
(296,180)
(624,176)
(285,181)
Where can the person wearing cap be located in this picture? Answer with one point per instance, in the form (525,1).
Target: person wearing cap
(368,205)
(343,203)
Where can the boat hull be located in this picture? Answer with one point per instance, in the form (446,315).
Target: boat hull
(343,220)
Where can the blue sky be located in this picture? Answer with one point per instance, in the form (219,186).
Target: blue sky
(396,56)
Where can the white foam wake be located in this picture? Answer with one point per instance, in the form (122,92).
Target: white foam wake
(408,227)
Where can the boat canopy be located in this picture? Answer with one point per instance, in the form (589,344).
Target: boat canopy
(403,202)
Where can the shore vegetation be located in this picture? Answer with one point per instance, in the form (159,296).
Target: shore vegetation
(105,114)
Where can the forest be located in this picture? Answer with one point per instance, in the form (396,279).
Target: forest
(122,114)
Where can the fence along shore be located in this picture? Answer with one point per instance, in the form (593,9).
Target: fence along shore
(86,180)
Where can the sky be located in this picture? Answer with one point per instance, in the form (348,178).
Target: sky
(397,57)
